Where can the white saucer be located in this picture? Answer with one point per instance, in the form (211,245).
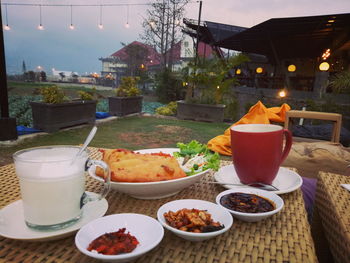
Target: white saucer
(12,223)
(286,180)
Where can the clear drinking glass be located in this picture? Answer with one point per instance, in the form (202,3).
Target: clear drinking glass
(52,184)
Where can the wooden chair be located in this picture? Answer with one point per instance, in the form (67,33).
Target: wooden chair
(334,117)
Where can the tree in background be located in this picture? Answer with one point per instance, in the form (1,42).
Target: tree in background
(137,56)
(162,28)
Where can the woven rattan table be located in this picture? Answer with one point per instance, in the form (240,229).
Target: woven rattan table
(284,237)
(333,206)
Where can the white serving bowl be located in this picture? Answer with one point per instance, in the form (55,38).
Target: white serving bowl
(153,190)
(218,214)
(147,230)
(253,217)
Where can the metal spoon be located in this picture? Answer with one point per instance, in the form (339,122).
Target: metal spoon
(86,143)
(263,186)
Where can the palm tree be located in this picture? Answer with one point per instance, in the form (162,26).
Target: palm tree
(340,82)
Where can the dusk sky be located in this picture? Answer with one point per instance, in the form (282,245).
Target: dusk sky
(78,50)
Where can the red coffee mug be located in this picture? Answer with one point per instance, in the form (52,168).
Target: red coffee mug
(257,151)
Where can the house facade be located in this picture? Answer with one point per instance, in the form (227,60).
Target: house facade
(115,66)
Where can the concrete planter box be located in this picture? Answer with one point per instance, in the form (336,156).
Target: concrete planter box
(121,106)
(200,112)
(52,117)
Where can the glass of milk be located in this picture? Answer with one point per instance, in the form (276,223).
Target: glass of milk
(52,183)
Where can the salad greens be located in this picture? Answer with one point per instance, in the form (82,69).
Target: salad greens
(195,157)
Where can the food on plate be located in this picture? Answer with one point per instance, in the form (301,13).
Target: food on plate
(128,166)
(247,203)
(114,243)
(192,220)
(195,157)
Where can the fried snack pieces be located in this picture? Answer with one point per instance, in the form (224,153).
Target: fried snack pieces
(192,220)
(127,166)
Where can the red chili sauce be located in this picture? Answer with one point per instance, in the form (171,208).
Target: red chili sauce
(247,203)
(114,243)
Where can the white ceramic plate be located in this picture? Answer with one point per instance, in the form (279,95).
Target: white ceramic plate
(286,180)
(147,230)
(218,214)
(12,223)
(153,190)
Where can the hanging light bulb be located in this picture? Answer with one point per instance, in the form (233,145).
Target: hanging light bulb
(127,17)
(71,26)
(40,26)
(6,27)
(100,25)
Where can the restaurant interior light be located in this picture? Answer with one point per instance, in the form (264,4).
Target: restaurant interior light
(238,71)
(259,70)
(326,54)
(282,94)
(324,66)
(292,68)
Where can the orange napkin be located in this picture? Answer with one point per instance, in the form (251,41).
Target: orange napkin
(256,114)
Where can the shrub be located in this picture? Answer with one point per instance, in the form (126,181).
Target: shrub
(168,110)
(168,86)
(85,95)
(128,87)
(53,94)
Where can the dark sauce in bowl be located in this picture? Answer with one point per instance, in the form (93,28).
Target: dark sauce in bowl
(247,203)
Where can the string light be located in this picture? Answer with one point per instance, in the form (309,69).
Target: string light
(6,27)
(100,25)
(71,26)
(40,26)
(127,17)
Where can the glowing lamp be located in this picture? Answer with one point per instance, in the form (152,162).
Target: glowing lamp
(218,87)
(259,70)
(71,27)
(292,68)
(238,71)
(40,27)
(282,94)
(100,26)
(324,66)
(7,27)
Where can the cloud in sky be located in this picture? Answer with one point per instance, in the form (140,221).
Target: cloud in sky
(79,50)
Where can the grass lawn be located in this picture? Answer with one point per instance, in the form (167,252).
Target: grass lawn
(130,132)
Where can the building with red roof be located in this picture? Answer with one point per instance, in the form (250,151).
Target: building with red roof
(116,64)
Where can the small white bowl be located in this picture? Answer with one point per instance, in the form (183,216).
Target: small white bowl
(147,230)
(218,214)
(253,217)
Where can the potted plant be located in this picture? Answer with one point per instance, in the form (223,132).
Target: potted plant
(208,85)
(57,111)
(128,99)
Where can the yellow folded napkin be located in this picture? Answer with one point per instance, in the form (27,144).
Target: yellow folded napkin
(257,114)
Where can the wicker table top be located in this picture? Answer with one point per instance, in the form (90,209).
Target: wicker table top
(284,237)
(333,206)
